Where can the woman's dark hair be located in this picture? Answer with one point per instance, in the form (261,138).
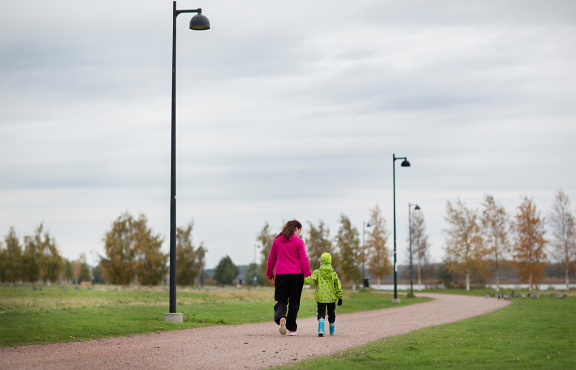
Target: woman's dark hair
(289,228)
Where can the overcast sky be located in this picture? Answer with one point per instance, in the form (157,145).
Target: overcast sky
(285,110)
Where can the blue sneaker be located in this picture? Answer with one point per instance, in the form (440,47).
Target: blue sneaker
(332,328)
(321,327)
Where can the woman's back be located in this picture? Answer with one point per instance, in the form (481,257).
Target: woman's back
(288,256)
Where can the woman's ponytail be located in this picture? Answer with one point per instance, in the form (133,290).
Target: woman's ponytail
(289,229)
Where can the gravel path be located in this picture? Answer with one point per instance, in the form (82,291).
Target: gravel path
(248,346)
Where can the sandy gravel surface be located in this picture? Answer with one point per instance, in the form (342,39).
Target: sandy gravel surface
(248,346)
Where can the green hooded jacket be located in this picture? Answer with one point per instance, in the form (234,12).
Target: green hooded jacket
(328,287)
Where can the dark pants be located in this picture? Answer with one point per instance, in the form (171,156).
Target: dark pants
(331,311)
(287,292)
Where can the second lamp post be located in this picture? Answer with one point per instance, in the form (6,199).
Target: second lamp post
(405,163)
(416,208)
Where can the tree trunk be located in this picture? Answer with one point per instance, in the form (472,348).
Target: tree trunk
(378,279)
(467,279)
(497,280)
(567,280)
(530,282)
(419,279)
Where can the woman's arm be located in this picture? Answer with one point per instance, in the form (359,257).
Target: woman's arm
(271,262)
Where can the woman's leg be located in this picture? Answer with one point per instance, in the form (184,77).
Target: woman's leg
(294,295)
(281,290)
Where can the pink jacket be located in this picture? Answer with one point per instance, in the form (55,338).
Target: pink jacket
(288,256)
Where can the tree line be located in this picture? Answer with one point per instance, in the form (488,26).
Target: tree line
(133,254)
(36,258)
(480,244)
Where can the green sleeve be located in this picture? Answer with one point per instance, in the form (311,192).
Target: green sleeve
(337,286)
(312,279)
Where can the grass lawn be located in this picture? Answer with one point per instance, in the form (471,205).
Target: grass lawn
(529,333)
(52,315)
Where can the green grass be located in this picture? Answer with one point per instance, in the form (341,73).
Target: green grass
(529,333)
(53,315)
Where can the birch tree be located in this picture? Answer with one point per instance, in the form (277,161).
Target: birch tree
(377,252)
(495,228)
(188,258)
(420,245)
(317,242)
(464,244)
(564,234)
(529,243)
(11,258)
(266,238)
(348,244)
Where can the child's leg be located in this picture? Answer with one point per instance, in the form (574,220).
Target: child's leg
(321,310)
(331,312)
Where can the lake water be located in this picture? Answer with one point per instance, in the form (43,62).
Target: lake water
(493,286)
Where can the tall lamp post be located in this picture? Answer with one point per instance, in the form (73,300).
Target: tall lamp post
(404,163)
(199,23)
(364,226)
(416,208)
(255,248)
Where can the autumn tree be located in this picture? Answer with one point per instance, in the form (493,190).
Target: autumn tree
(464,244)
(188,258)
(317,242)
(68,271)
(495,228)
(420,245)
(132,250)
(83,269)
(376,249)
(564,234)
(226,271)
(266,239)
(76,271)
(11,258)
(41,259)
(348,244)
(529,243)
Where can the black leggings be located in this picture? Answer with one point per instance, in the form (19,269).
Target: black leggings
(287,292)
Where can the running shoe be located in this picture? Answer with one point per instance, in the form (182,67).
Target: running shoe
(291,332)
(282,329)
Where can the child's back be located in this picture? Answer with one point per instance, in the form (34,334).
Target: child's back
(328,291)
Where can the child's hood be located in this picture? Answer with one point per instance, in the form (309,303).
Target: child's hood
(326,270)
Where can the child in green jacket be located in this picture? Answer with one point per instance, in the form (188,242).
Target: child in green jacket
(328,291)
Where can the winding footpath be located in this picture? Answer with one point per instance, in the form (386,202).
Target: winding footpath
(248,346)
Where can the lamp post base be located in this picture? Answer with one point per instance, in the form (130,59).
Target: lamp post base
(394,300)
(173,317)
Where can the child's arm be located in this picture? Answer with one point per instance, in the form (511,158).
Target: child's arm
(312,279)
(337,286)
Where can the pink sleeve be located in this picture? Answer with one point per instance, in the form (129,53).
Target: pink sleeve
(304,263)
(271,261)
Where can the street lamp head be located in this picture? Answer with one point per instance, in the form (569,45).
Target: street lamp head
(417,207)
(199,22)
(405,163)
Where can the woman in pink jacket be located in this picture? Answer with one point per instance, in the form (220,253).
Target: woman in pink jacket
(287,266)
